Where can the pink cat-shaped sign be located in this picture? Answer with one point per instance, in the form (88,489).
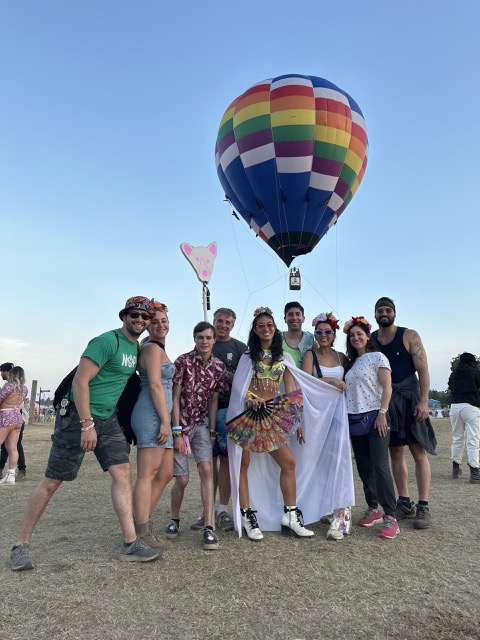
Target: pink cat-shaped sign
(201,259)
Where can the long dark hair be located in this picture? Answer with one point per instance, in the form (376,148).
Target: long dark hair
(254,346)
(352,353)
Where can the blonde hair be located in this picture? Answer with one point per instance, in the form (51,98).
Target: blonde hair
(17,376)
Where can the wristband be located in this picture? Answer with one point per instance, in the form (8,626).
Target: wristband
(86,420)
(177,428)
(88,428)
(212,434)
(177,434)
(382,410)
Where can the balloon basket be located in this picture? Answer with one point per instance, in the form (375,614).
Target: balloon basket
(295,279)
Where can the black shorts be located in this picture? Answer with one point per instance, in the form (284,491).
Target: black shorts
(409,438)
(66,456)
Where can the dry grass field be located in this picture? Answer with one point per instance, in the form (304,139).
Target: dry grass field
(422,585)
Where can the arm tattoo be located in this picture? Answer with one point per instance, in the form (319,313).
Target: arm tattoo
(416,348)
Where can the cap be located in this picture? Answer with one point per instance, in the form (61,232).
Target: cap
(6,366)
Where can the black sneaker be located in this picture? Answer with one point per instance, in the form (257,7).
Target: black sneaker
(474,475)
(171,530)
(456,470)
(423,517)
(138,551)
(21,557)
(210,540)
(402,510)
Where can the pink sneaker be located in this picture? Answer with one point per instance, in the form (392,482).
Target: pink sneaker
(390,528)
(370,517)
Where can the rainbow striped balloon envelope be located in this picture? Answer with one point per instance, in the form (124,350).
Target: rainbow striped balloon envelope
(290,154)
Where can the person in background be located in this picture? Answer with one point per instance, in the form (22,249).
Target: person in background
(295,341)
(464,385)
(12,395)
(5,368)
(369,388)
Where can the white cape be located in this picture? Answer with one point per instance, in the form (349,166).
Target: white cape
(324,462)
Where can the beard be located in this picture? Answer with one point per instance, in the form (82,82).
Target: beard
(134,331)
(385,322)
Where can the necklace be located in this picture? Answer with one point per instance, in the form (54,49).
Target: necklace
(266,354)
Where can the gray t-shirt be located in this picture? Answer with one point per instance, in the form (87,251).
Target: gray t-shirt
(229,353)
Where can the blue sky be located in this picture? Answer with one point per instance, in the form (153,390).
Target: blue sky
(109,116)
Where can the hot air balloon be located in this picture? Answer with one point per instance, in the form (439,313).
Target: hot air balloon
(290,154)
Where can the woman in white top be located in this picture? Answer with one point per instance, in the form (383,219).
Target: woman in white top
(369,388)
(326,363)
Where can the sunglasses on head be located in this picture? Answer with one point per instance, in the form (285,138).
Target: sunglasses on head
(138,314)
(324,332)
(262,325)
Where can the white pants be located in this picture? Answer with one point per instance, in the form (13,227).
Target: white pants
(465,419)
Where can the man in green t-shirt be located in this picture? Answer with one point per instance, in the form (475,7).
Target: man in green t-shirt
(89,423)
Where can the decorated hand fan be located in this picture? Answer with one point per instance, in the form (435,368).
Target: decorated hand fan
(269,427)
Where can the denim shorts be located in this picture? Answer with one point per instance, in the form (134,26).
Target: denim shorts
(66,456)
(220,446)
(146,424)
(201,449)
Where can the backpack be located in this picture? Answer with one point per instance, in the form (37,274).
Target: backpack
(125,403)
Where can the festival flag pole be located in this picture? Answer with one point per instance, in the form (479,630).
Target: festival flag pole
(201,259)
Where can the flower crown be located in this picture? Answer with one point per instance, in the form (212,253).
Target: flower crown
(160,306)
(355,321)
(261,310)
(329,318)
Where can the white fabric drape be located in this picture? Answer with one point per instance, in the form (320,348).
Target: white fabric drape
(324,464)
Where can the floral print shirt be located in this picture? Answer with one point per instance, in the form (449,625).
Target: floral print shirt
(199,381)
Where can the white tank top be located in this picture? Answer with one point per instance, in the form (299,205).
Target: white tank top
(331,372)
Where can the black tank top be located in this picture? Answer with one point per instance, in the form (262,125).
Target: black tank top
(400,360)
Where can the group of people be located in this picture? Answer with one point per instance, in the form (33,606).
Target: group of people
(287,394)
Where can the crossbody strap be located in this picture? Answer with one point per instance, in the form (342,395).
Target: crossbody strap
(316,363)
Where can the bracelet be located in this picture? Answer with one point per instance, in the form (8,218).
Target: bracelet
(382,410)
(88,428)
(177,429)
(86,420)
(212,434)
(177,434)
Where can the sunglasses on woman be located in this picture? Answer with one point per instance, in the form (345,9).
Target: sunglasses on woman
(137,314)
(262,325)
(323,332)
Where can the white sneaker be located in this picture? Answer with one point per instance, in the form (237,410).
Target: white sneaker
(250,525)
(292,522)
(341,524)
(9,477)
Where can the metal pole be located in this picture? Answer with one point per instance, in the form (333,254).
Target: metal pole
(205,293)
(33,395)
